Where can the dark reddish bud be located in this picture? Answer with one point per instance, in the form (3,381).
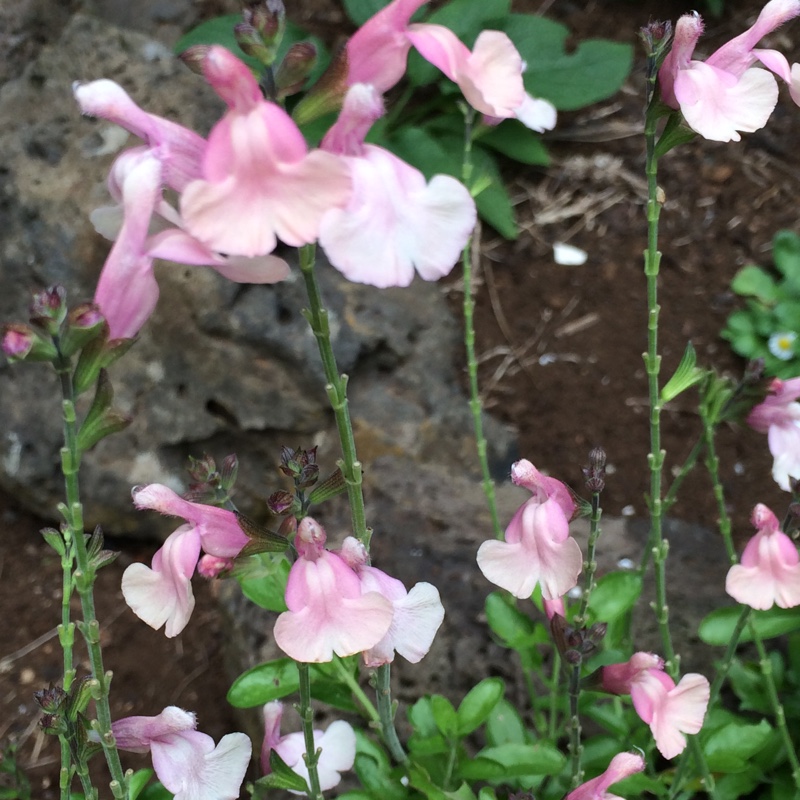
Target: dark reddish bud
(295,68)
(195,56)
(595,473)
(280,502)
(23,343)
(49,309)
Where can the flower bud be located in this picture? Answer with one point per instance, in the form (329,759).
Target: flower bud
(49,309)
(194,57)
(280,502)
(84,323)
(295,68)
(23,343)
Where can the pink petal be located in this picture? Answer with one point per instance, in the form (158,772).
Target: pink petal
(622,766)
(717,105)
(536,114)
(136,734)
(396,223)
(784,444)
(523,473)
(191,767)
(417,617)
(260,184)
(218,527)
(231,79)
(127,291)
(377,51)
(327,613)
(544,553)
(362,106)
(178,148)
(688,30)
(163,594)
(617,678)
(736,55)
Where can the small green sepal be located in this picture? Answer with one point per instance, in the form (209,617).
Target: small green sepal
(687,374)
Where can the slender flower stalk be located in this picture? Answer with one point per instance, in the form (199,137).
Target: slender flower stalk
(652,359)
(575,730)
(312,754)
(471,251)
(336,388)
(83,579)
(777,707)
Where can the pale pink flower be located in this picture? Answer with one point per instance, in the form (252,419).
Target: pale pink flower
(162,593)
(143,225)
(779,417)
(259,182)
(327,611)
(338,744)
(725,93)
(671,711)
(623,765)
(185,760)
(553,607)
(395,221)
(418,613)
(537,546)
(769,572)
(490,76)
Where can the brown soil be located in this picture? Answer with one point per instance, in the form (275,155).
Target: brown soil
(561,359)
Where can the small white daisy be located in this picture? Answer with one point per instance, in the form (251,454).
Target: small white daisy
(781,345)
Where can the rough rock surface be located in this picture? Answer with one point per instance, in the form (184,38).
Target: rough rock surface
(220,367)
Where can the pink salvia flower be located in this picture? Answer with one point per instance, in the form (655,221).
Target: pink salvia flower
(418,614)
(378,50)
(396,222)
(769,572)
(490,76)
(537,546)
(671,711)
(725,93)
(338,744)
(779,417)
(185,760)
(327,612)
(162,593)
(143,226)
(623,765)
(259,182)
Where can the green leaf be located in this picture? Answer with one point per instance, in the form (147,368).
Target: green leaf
(156,791)
(269,681)
(360,11)
(478,704)
(718,626)
(493,200)
(263,580)
(730,748)
(507,622)
(615,595)
(687,374)
(752,281)
(504,725)
(595,70)
(138,781)
(420,715)
(445,716)
(377,780)
(525,759)
(512,139)
(786,254)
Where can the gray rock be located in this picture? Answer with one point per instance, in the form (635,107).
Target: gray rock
(220,367)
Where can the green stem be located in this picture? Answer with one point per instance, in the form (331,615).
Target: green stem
(357,691)
(386,710)
(66,637)
(575,746)
(336,388)
(652,360)
(683,473)
(712,465)
(312,753)
(475,405)
(554,696)
(83,579)
(777,707)
(590,565)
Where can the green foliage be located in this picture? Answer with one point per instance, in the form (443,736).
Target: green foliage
(769,323)
(718,626)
